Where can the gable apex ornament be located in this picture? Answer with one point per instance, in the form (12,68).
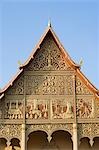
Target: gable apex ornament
(49,23)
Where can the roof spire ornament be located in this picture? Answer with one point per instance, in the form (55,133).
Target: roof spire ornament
(49,23)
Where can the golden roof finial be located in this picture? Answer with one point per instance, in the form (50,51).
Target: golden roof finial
(49,23)
(81,62)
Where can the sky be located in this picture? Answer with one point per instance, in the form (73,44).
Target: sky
(76,23)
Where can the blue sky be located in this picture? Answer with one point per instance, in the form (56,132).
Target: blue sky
(22,22)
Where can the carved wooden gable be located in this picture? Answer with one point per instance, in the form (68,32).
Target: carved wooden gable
(48,80)
(48,57)
(51,85)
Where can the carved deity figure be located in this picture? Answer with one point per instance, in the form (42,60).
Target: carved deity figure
(62,111)
(84,109)
(37,110)
(69,111)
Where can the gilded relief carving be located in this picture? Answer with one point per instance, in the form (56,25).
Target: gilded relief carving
(14,110)
(37,109)
(90,130)
(84,108)
(62,109)
(50,128)
(97,108)
(49,57)
(49,84)
(61,85)
(81,88)
(17,88)
(69,84)
(10,131)
(33,84)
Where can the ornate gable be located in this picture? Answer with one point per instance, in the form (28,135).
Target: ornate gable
(50,80)
(49,56)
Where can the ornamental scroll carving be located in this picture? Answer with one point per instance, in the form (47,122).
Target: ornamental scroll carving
(85,108)
(90,130)
(37,109)
(17,88)
(51,84)
(10,131)
(49,128)
(81,88)
(62,109)
(48,57)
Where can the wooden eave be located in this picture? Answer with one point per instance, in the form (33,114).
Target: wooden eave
(10,83)
(85,80)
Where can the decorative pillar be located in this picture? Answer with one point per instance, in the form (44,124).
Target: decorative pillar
(75,138)
(23,142)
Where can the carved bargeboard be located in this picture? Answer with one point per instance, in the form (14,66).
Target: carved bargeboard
(17,88)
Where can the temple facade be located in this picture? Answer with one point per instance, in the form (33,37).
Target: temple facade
(49,104)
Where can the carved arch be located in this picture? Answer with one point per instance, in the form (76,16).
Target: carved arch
(60,129)
(49,129)
(31,131)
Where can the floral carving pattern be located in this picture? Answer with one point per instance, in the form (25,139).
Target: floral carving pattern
(50,128)
(51,84)
(81,88)
(33,84)
(90,130)
(97,108)
(17,88)
(10,131)
(49,57)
